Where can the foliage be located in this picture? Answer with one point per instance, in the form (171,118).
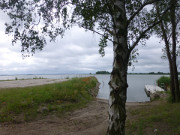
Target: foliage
(167,26)
(163,80)
(34,21)
(55,98)
(102,72)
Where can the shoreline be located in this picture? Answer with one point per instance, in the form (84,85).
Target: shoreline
(28,82)
(5,84)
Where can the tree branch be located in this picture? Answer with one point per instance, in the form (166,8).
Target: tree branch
(146,30)
(137,12)
(99,34)
(142,35)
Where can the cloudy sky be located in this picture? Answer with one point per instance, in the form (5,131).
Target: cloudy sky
(77,53)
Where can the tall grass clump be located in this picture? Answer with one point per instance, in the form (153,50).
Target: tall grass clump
(42,100)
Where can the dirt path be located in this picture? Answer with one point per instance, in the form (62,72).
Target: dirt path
(91,120)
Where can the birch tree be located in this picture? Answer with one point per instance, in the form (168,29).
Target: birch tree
(125,23)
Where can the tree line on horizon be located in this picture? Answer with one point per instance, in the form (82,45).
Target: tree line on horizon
(151,73)
(155,73)
(102,72)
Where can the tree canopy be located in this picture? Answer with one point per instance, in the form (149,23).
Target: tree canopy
(33,21)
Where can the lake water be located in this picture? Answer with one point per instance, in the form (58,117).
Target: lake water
(135,92)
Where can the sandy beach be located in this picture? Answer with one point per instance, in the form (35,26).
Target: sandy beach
(28,82)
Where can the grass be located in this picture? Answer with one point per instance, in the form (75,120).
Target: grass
(25,104)
(162,119)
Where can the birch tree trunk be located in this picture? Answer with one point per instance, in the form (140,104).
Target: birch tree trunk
(118,82)
(118,94)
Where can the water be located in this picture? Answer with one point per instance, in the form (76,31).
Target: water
(135,92)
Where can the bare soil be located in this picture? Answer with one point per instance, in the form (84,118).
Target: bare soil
(91,120)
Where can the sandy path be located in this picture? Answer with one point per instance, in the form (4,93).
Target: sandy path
(91,120)
(26,83)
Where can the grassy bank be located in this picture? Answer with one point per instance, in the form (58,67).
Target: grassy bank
(24,104)
(161,119)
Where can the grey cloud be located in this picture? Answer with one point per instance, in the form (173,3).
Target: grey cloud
(77,52)
(149,59)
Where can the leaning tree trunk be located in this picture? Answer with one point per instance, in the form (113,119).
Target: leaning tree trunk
(168,52)
(118,82)
(176,82)
(174,38)
(172,85)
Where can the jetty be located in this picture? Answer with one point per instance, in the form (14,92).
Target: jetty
(152,91)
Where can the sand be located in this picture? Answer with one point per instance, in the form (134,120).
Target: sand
(29,82)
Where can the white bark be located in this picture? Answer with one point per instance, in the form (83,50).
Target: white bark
(118,82)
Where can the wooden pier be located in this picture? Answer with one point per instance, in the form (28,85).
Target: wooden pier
(152,91)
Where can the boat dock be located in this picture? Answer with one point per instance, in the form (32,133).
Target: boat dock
(151,90)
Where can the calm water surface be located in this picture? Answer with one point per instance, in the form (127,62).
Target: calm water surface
(135,92)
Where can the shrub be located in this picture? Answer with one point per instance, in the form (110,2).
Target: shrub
(163,80)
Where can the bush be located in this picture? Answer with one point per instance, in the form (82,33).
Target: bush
(163,80)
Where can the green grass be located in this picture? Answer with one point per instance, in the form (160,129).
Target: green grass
(164,117)
(29,102)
